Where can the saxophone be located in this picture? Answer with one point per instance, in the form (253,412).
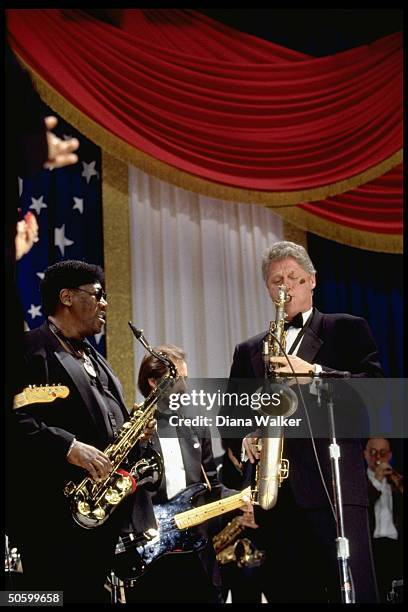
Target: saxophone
(271,468)
(228,549)
(92,502)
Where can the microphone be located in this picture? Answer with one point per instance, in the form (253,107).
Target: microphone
(333,374)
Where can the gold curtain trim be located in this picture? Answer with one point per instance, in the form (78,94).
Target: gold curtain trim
(117,265)
(294,234)
(370,241)
(129,154)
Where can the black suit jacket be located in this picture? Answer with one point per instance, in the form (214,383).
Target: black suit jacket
(336,342)
(196,451)
(45,431)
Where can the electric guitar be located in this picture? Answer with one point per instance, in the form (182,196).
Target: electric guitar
(37,395)
(175,531)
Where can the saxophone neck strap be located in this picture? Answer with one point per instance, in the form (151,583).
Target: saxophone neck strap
(299,337)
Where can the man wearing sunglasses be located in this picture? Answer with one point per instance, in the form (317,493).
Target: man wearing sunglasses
(64,440)
(385,494)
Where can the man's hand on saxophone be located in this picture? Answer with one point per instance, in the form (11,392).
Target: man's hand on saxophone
(250,448)
(247,518)
(95,461)
(149,431)
(89,458)
(303,369)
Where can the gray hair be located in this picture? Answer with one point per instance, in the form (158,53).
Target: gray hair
(283,250)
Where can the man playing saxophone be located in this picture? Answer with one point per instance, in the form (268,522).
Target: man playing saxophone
(300,531)
(64,440)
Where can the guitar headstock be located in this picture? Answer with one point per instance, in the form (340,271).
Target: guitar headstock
(39,395)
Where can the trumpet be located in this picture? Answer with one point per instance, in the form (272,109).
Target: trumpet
(394,478)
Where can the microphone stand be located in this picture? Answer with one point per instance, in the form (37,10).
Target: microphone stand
(324,390)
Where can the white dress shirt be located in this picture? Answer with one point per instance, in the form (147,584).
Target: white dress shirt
(174,466)
(384,523)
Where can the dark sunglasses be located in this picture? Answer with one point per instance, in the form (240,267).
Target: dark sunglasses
(99,293)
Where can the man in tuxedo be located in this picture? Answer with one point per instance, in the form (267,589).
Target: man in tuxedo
(64,440)
(300,531)
(188,459)
(385,494)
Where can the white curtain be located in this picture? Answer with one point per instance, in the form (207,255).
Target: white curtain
(196,272)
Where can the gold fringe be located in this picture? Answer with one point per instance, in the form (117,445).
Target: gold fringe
(370,241)
(294,234)
(117,264)
(129,154)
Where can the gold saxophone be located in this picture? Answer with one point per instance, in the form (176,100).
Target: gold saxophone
(230,549)
(92,502)
(271,468)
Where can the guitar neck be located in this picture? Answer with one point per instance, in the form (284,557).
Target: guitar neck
(195,516)
(39,395)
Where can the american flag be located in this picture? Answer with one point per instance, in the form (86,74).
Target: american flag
(68,205)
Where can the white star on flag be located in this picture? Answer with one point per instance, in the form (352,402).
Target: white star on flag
(20,186)
(59,239)
(79,205)
(89,170)
(99,336)
(38,204)
(40,275)
(34,311)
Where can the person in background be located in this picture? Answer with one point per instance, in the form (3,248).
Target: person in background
(385,494)
(30,146)
(188,458)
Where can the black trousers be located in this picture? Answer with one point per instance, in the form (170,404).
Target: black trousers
(388,559)
(175,578)
(301,565)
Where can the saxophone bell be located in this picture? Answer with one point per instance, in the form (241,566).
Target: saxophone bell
(247,555)
(241,551)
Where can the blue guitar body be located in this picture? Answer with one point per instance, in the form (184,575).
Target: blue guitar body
(134,554)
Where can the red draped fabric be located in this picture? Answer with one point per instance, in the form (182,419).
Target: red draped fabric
(228,113)
(375,206)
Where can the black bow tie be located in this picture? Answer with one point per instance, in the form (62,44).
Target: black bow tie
(297,321)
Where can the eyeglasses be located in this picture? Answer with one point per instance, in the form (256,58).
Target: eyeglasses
(381,453)
(99,293)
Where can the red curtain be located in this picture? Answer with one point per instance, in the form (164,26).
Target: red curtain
(373,207)
(260,122)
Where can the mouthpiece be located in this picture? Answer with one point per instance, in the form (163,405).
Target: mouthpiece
(137,332)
